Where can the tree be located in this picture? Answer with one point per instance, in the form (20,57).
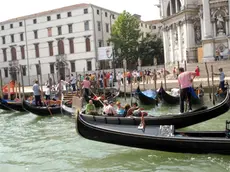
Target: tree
(125,35)
(151,47)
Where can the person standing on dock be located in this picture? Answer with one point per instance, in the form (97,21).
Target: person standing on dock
(37,93)
(86,86)
(222,77)
(73,82)
(185,80)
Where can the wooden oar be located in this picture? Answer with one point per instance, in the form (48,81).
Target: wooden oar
(42,94)
(96,96)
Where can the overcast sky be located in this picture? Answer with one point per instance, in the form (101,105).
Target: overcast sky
(16,8)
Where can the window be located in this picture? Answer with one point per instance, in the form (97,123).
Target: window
(99,26)
(154,27)
(3,39)
(98,12)
(36,46)
(2,27)
(113,16)
(48,18)
(58,16)
(34,21)
(35,34)
(107,27)
(11,26)
(12,38)
(49,31)
(100,43)
(61,48)
(86,25)
(20,24)
(72,66)
(22,51)
(145,25)
(89,65)
(59,30)
(24,70)
(51,51)
(6,72)
(71,46)
(13,53)
(141,24)
(87,44)
(86,11)
(70,26)
(69,14)
(4,54)
(108,44)
(52,68)
(106,14)
(21,37)
(149,27)
(38,69)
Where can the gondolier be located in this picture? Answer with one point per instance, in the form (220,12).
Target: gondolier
(86,86)
(185,80)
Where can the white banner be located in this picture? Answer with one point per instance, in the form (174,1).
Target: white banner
(105,53)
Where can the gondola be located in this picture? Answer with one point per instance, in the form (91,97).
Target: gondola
(41,111)
(178,120)
(12,105)
(98,103)
(148,97)
(169,99)
(3,107)
(158,137)
(66,110)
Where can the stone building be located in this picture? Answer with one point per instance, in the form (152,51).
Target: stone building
(195,30)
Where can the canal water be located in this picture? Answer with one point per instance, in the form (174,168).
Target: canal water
(51,144)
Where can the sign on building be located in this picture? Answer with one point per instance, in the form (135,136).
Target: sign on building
(105,53)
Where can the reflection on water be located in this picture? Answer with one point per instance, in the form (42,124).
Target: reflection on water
(31,143)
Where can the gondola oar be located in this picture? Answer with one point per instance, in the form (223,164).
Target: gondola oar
(96,96)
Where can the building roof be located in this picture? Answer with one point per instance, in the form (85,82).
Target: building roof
(153,21)
(58,10)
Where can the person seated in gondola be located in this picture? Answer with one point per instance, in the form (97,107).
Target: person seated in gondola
(127,107)
(90,108)
(135,111)
(120,109)
(109,110)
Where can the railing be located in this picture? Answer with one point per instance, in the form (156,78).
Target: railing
(13,63)
(62,57)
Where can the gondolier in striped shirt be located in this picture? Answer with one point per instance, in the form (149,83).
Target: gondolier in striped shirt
(185,80)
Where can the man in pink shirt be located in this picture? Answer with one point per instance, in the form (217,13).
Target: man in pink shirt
(185,80)
(86,85)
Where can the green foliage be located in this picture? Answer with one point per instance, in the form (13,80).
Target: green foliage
(151,47)
(125,35)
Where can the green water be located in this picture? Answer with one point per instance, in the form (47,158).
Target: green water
(29,144)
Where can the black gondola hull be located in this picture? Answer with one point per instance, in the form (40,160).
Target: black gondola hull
(16,106)
(42,111)
(132,137)
(144,99)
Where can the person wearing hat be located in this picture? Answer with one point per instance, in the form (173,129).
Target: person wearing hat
(37,93)
(222,77)
(109,110)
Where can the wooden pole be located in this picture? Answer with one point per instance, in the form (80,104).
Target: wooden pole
(16,89)
(213,97)
(164,74)
(19,85)
(8,87)
(1,94)
(155,79)
(23,90)
(209,90)
(124,71)
(131,90)
(40,75)
(185,65)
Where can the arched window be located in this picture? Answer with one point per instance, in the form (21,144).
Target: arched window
(87,44)
(168,9)
(178,5)
(61,48)
(13,53)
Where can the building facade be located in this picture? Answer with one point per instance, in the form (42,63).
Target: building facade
(63,41)
(195,30)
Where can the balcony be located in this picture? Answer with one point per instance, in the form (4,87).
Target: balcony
(61,58)
(14,63)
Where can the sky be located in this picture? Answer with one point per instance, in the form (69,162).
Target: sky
(17,8)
